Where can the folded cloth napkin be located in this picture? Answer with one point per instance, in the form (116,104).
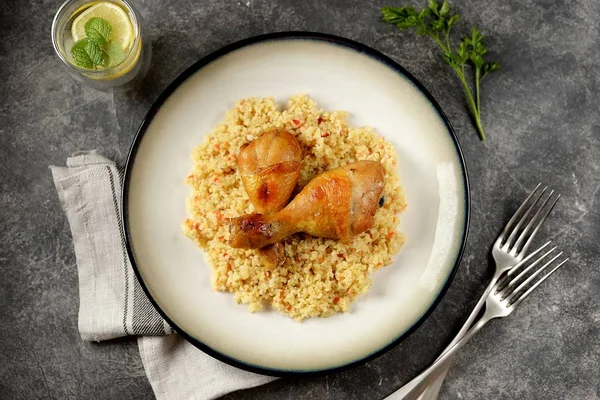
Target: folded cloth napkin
(111,300)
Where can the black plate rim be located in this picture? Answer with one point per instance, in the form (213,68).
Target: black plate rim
(290,35)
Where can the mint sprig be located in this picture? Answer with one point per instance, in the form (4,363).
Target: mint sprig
(97,49)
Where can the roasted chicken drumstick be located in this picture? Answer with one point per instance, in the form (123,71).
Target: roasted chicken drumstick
(269,167)
(337,204)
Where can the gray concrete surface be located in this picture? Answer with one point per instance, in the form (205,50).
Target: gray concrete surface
(541,115)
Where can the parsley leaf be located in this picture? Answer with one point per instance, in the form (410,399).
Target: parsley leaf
(436,22)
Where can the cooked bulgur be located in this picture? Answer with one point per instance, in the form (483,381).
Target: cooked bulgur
(320,276)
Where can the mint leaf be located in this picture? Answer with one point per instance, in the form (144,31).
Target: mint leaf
(95,53)
(88,54)
(98,29)
(80,55)
(114,53)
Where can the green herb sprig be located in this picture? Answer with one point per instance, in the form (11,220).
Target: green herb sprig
(97,49)
(436,22)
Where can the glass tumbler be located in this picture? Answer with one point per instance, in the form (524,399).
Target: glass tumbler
(118,76)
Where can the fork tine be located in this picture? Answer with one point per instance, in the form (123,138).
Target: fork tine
(502,282)
(516,214)
(509,242)
(532,220)
(537,227)
(532,288)
(523,273)
(515,297)
(514,269)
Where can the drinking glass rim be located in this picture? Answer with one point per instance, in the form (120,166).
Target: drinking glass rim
(61,55)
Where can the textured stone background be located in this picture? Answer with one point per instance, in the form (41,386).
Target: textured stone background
(541,115)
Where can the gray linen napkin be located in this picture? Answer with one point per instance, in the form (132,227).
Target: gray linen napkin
(111,301)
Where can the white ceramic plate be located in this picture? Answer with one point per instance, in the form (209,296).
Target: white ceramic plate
(340,75)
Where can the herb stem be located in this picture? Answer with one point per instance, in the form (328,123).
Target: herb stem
(472,102)
(438,41)
(477,80)
(436,21)
(479,128)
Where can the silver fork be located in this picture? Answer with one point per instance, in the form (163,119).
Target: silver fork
(508,250)
(502,300)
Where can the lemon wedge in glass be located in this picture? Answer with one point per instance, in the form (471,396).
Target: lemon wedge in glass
(122,30)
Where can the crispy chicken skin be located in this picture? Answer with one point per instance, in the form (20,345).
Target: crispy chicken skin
(269,167)
(337,204)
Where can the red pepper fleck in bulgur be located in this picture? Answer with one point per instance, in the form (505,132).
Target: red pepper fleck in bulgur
(291,288)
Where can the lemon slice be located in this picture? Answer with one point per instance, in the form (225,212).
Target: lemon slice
(122,30)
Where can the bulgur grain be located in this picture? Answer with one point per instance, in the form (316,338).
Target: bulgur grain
(320,276)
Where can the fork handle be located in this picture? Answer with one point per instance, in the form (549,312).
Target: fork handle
(428,376)
(467,325)
(428,393)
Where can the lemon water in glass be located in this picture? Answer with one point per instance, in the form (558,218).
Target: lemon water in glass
(101,43)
